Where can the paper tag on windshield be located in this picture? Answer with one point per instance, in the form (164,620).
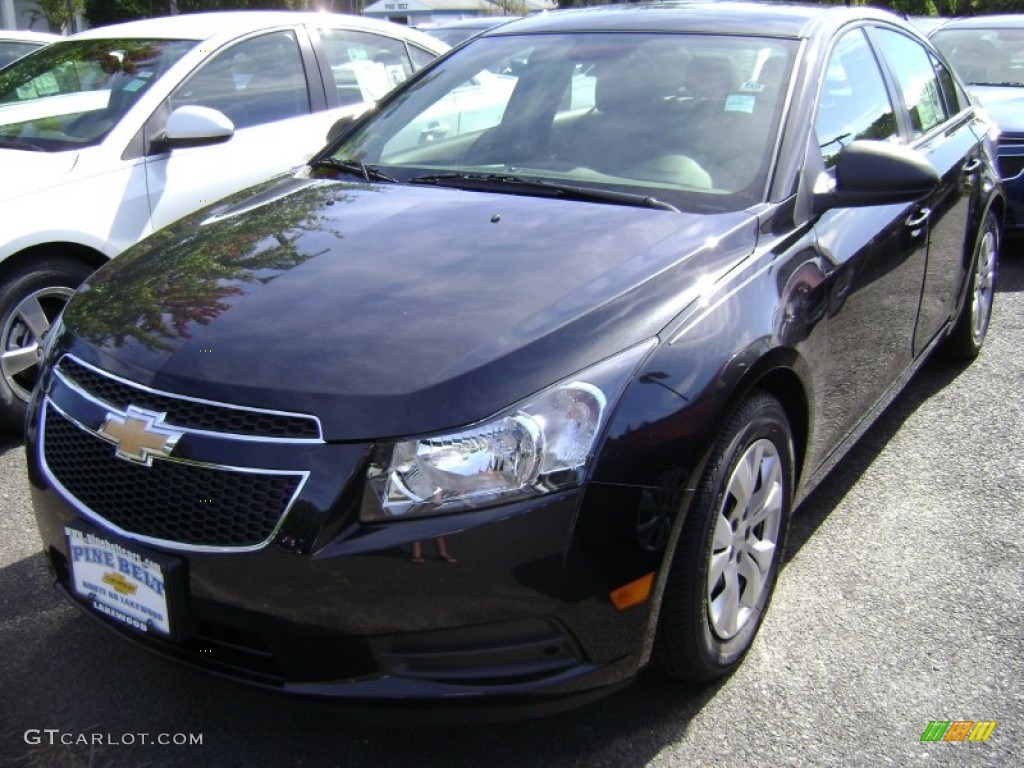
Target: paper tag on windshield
(739,102)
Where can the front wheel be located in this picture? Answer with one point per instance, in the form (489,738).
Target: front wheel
(728,555)
(968,334)
(31,298)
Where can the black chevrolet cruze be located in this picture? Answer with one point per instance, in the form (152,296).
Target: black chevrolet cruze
(514,388)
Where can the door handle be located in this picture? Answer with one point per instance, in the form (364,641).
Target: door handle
(972,165)
(917,220)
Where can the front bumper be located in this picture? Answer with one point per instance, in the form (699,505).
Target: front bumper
(328,606)
(1011,169)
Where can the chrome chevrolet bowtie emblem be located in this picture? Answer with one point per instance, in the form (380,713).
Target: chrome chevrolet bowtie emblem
(140,435)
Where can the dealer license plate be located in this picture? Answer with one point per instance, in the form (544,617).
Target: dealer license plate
(118,582)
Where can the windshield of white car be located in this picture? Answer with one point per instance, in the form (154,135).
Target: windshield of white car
(984,56)
(15,49)
(686,120)
(71,94)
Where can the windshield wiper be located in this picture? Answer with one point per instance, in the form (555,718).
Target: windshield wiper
(1001,85)
(355,168)
(495,181)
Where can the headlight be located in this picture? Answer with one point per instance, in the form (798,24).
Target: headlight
(543,444)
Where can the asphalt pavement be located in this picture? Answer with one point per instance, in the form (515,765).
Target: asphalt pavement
(900,603)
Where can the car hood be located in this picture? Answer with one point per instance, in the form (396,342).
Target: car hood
(1005,105)
(25,172)
(391,310)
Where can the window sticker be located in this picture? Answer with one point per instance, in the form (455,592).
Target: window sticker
(751,86)
(740,102)
(396,74)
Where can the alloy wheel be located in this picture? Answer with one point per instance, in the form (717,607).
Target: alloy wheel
(745,539)
(984,281)
(23,333)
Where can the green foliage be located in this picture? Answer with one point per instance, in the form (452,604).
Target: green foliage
(941,7)
(912,7)
(187,275)
(510,7)
(101,12)
(193,6)
(56,13)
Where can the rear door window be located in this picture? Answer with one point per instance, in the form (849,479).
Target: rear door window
(365,66)
(918,81)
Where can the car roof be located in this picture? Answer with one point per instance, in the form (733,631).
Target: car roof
(776,19)
(204,26)
(28,36)
(481,22)
(994,21)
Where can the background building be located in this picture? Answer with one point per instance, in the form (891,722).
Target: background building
(425,12)
(15,14)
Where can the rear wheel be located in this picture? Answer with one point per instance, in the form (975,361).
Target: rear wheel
(968,335)
(724,568)
(30,300)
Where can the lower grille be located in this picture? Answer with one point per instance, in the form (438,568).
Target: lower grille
(170,501)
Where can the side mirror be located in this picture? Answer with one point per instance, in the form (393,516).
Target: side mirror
(194,126)
(340,126)
(877,173)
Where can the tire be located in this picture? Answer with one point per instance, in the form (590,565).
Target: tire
(31,297)
(712,608)
(968,335)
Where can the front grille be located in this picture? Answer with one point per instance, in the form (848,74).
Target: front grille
(189,413)
(170,501)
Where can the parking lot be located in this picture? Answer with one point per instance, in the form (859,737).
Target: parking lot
(900,603)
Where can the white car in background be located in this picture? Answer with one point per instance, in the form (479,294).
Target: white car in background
(113,133)
(16,43)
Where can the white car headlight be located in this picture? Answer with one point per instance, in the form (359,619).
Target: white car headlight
(543,444)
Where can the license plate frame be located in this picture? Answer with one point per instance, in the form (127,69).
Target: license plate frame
(128,584)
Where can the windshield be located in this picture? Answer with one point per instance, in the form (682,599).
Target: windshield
(690,120)
(984,56)
(70,94)
(15,49)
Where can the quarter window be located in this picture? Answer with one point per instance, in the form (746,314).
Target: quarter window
(912,67)
(420,57)
(854,101)
(954,97)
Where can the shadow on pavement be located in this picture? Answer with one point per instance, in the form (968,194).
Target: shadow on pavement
(8,442)
(933,377)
